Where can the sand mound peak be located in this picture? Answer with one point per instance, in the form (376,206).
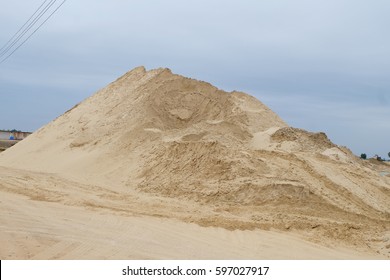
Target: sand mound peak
(161,134)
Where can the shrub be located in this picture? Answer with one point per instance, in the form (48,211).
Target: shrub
(363,156)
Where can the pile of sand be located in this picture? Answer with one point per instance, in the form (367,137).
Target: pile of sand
(158,144)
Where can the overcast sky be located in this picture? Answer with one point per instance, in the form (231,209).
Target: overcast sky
(322,65)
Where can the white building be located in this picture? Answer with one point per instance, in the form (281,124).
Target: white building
(15,135)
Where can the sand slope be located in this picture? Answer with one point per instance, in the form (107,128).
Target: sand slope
(155,144)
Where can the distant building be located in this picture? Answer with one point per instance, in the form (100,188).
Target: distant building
(13,134)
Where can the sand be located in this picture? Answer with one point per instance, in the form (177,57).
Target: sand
(159,166)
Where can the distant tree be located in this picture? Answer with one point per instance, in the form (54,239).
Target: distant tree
(363,156)
(379,158)
(388,154)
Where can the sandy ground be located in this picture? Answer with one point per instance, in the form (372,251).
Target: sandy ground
(55,218)
(157,165)
(32,228)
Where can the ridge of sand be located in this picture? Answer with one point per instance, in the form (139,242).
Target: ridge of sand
(157,144)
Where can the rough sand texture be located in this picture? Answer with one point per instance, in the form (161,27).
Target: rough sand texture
(175,168)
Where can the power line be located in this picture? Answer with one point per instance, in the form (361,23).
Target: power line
(31,25)
(3,47)
(21,44)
